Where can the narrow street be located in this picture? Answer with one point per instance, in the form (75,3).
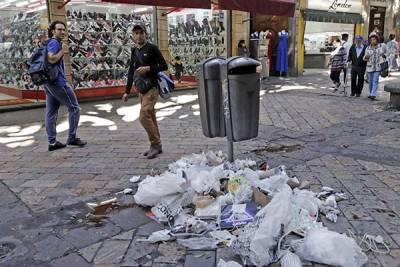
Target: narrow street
(350,144)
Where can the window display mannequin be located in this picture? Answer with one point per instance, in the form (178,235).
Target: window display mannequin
(268,37)
(282,53)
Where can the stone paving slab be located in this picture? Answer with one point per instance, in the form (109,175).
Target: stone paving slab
(345,143)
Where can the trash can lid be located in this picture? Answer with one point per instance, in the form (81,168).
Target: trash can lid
(238,62)
(211,67)
(212,61)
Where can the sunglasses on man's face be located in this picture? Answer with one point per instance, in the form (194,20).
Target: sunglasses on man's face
(60,29)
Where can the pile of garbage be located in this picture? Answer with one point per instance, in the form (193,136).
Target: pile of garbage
(264,215)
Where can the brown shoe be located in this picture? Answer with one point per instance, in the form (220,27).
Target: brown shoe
(154,151)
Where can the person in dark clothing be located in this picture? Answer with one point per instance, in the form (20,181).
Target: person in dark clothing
(150,63)
(242,49)
(337,62)
(178,65)
(358,66)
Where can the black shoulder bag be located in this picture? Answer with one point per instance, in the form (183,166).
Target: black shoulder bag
(142,83)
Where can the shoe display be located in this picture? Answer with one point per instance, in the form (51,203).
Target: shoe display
(91,36)
(197,40)
(13,58)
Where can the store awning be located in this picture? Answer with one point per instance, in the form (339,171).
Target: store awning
(270,7)
(337,17)
(167,3)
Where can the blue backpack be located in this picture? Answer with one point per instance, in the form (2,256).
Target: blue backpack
(40,70)
(165,85)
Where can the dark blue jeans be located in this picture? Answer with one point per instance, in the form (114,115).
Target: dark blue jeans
(55,96)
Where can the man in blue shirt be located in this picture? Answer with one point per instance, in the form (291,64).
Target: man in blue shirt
(60,92)
(358,66)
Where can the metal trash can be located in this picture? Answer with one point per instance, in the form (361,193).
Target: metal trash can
(210,97)
(241,88)
(253,48)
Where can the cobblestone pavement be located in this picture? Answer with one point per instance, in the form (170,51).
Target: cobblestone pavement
(347,143)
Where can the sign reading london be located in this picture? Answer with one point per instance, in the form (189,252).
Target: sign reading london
(347,6)
(339,4)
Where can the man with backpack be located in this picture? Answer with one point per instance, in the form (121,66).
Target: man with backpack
(58,91)
(145,64)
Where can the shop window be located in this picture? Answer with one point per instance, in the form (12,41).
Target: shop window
(322,37)
(197,34)
(100,41)
(21,31)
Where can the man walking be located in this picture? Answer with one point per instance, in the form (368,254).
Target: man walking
(346,45)
(60,92)
(358,66)
(146,62)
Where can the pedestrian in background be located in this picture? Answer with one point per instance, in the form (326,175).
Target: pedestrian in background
(392,53)
(358,66)
(374,56)
(146,62)
(242,49)
(337,63)
(178,67)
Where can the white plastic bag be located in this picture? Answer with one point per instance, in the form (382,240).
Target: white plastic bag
(205,179)
(153,189)
(327,247)
(306,199)
(275,183)
(162,235)
(168,208)
(278,212)
(223,263)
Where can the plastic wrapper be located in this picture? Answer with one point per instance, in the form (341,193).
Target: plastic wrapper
(331,201)
(305,199)
(163,235)
(153,189)
(187,225)
(290,259)
(302,222)
(134,179)
(253,177)
(198,243)
(223,236)
(168,209)
(277,213)
(275,183)
(327,247)
(172,205)
(211,211)
(240,189)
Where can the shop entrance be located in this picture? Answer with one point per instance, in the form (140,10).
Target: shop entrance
(377,19)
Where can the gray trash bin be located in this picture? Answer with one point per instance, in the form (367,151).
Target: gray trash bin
(210,97)
(241,86)
(253,47)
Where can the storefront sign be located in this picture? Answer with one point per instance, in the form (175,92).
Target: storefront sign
(382,3)
(347,6)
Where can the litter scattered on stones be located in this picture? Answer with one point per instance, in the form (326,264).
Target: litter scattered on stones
(261,213)
(134,179)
